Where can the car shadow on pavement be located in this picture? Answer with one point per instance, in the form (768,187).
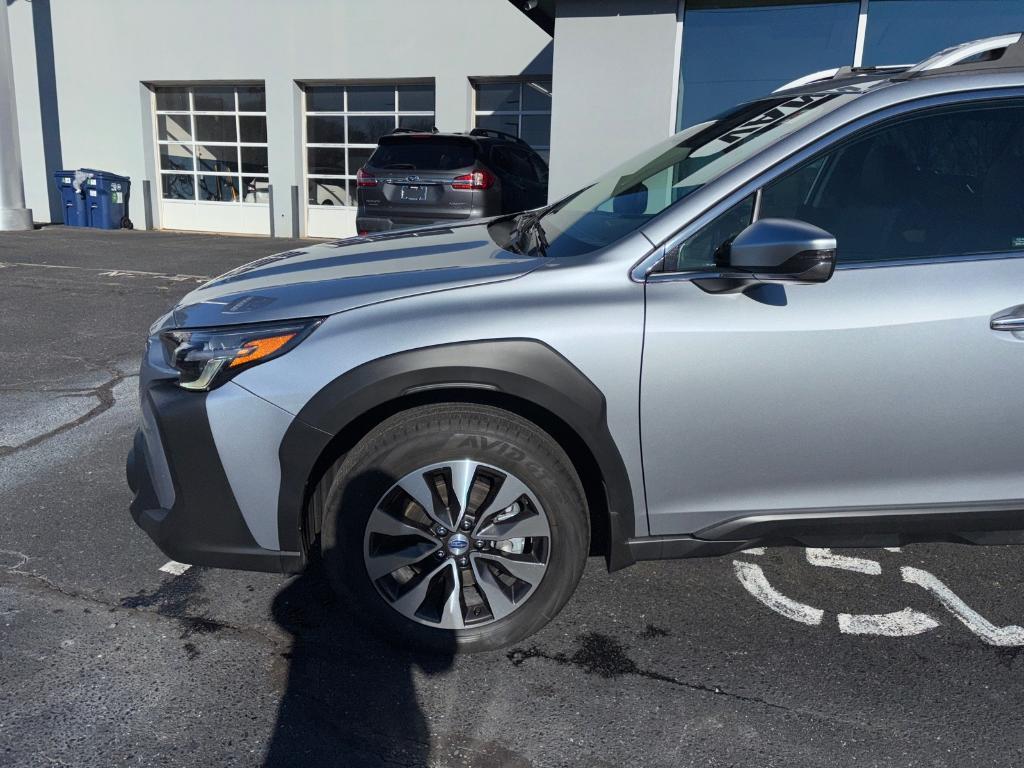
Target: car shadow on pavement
(349,695)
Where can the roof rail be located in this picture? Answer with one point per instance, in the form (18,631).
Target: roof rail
(999,52)
(433,129)
(837,73)
(491,133)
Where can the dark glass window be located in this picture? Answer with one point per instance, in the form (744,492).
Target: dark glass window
(367,130)
(254,160)
(907,31)
(325,129)
(498,97)
(736,51)
(942,183)
(416,98)
(329,160)
(178,186)
(252,98)
(423,154)
(697,252)
(175,157)
(217,158)
(172,99)
(215,98)
(215,128)
(253,129)
(174,127)
(325,98)
(371,98)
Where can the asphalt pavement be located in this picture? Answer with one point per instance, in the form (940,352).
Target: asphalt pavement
(788,657)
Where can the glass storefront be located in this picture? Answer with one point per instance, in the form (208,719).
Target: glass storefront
(737,50)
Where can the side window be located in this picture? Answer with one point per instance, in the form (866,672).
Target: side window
(941,183)
(697,252)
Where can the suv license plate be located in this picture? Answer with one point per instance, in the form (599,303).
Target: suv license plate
(414,193)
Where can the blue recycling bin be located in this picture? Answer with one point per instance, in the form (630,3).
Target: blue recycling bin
(107,199)
(76,211)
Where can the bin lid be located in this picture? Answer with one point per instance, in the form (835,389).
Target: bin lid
(104,174)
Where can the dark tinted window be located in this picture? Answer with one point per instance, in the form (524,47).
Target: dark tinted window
(941,183)
(514,161)
(698,251)
(424,154)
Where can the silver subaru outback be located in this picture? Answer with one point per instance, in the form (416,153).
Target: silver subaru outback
(801,322)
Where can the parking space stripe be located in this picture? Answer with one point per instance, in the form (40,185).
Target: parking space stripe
(903,623)
(828,559)
(756,583)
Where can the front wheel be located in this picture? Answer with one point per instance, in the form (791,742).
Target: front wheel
(458,527)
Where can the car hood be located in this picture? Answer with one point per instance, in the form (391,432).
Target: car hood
(327,278)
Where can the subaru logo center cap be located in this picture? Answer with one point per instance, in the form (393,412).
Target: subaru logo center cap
(458,544)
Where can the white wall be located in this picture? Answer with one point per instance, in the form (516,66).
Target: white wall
(103,49)
(615,76)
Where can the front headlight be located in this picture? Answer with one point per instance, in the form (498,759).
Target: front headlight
(207,357)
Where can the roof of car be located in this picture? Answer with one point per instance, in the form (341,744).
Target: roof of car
(477,134)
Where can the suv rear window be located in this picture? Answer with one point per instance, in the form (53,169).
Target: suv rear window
(423,154)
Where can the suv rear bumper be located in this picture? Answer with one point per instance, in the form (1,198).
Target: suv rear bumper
(187,508)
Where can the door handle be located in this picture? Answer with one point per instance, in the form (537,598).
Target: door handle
(1011,319)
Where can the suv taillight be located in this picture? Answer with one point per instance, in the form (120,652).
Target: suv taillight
(364,179)
(482,179)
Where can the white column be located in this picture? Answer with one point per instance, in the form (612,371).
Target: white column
(13,213)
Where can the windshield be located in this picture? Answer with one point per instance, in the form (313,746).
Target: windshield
(637,191)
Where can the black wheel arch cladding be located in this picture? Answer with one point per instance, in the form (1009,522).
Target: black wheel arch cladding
(525,369)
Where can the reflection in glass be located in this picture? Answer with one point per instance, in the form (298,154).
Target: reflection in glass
(416,122)
(325,98)
(367,130)
(537,95)
(329,160)
(325,129)
(416,98)
(215,128)
(217,159)
(255,189)
(331,192)
(175,157)
(907,31)
(214,98)
(174,127)
(178,186)
(252,98)
(218,188)
(253,129)
(733,54)
(371,98)
(254,160)
(175,99)
(537,129)
(492,97)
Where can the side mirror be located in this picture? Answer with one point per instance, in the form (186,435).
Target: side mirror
(782,251)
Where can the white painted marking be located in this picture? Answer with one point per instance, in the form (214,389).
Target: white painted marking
(827,559)
(893,549)
(754,551)
(754,581)
(1011,635)
(903,623)
(174,568)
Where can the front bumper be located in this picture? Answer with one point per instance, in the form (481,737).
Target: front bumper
(183,499)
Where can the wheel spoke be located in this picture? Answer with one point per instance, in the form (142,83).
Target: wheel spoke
(463,473)
(523,526)
(494,593)
(511,490)
(451,615)
(523,567)
(416,486)
(389,525)
(382,565)
(410,602)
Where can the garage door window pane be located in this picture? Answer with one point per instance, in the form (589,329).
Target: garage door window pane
(257,190)
(172,99)
(367,130)
(504,123)
(325,129)
(357,159)
(537,96)
(217,159)
(371,98)
(215,128)
(325,98)
(497,97)
(537,130)
(219,188)
(252,98)
(176,157)
(174,127)
(178,186)
(253,129)
(329,160)
(254,160)
(331,192)
(416,122)
(215,99)
(416,98)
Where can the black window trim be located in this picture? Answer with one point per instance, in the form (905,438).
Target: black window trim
(646,269)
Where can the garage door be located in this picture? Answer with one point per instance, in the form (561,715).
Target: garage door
(212,153)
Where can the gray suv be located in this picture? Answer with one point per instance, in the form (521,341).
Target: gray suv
(798,323)
(415,178)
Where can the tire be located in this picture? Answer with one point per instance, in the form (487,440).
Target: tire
(543,536)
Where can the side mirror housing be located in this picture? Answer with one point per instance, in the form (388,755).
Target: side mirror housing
(775,251)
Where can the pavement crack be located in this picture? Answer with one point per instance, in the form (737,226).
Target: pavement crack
(104,393)
(606,657)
